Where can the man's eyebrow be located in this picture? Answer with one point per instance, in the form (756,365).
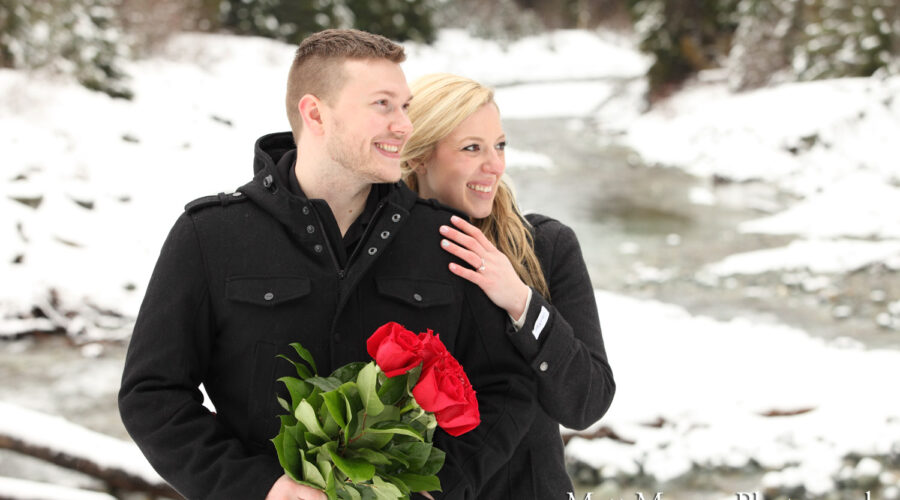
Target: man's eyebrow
(390,93)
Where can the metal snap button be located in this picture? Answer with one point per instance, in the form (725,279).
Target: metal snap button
(305,210)
(267,181)
(310,229)
(373,250)
(318,248)
(269,296)
(395,217)
(417,297)
(385,235)
(237,193)
(544,366)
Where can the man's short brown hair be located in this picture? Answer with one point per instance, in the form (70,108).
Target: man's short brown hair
(318,65)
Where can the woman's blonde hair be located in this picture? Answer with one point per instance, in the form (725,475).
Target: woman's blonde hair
(440,103)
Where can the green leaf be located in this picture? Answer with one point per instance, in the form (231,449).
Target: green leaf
(393,389)
(396,457)
(325,384)
(434,463)
(329,424)
(354,406)
(334,401)
(348,372)
(367,391)
(287,420)
(307,416)
(305,355)
(291,453)
(371,456)
(404,490)
(313,440)
(302,371)
(298,390)
(385,490)
(284,404)
(346,491)
(363,439)
(414,452)
(395,427)
(311,472)
(418,482)
(413,377)
(357,470)
(330,486)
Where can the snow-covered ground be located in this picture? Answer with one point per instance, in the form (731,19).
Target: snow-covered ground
(91,185)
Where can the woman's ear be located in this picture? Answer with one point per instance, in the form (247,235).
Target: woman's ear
(310,108)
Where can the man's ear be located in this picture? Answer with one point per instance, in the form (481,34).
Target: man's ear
(310,108)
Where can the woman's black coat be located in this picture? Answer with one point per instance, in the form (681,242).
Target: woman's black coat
(575,382)
(242,275)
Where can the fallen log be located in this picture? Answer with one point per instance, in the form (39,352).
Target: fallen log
(53,439)
(21,489)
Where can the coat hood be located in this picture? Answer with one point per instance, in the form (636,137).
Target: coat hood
(269,191)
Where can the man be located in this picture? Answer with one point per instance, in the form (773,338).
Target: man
(321,247)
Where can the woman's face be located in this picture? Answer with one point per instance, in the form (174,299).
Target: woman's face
(466,166)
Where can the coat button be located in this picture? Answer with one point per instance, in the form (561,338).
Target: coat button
(269,296)
(385,235)
(267,181)
(417,297)
(318,248)
(310,229)
(305,210)
(373,250)
(543,366)
(395,217)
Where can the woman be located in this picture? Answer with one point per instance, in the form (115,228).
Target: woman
(532,267)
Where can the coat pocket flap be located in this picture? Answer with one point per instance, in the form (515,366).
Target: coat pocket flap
(266,291)
(416,292)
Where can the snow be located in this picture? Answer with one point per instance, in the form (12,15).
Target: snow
(818,256)
(99,182)
(711,382)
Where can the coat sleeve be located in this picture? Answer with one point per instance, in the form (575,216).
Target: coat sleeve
(505,391)
(159,400)
(574,380)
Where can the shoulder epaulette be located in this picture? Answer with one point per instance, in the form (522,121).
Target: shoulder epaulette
(221,199)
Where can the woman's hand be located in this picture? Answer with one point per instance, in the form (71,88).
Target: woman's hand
(491,270)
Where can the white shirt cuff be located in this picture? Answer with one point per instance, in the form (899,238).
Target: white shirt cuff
(519,323)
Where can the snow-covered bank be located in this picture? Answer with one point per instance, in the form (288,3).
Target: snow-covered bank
(717,389)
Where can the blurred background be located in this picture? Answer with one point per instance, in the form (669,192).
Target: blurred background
(730,168)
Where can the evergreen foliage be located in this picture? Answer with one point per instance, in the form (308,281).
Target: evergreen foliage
(293,20)
(685,36)
(77,37)
(767,41)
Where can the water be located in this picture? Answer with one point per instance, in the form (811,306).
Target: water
(648,231)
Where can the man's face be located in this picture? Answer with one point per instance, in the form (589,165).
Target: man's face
(368,125)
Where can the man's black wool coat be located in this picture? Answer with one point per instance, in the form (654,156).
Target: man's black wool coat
(242,275)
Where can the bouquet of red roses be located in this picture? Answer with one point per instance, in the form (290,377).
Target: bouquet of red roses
(366,430)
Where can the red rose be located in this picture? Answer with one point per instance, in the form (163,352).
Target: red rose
(432,347)
(444,390)
(395,349)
